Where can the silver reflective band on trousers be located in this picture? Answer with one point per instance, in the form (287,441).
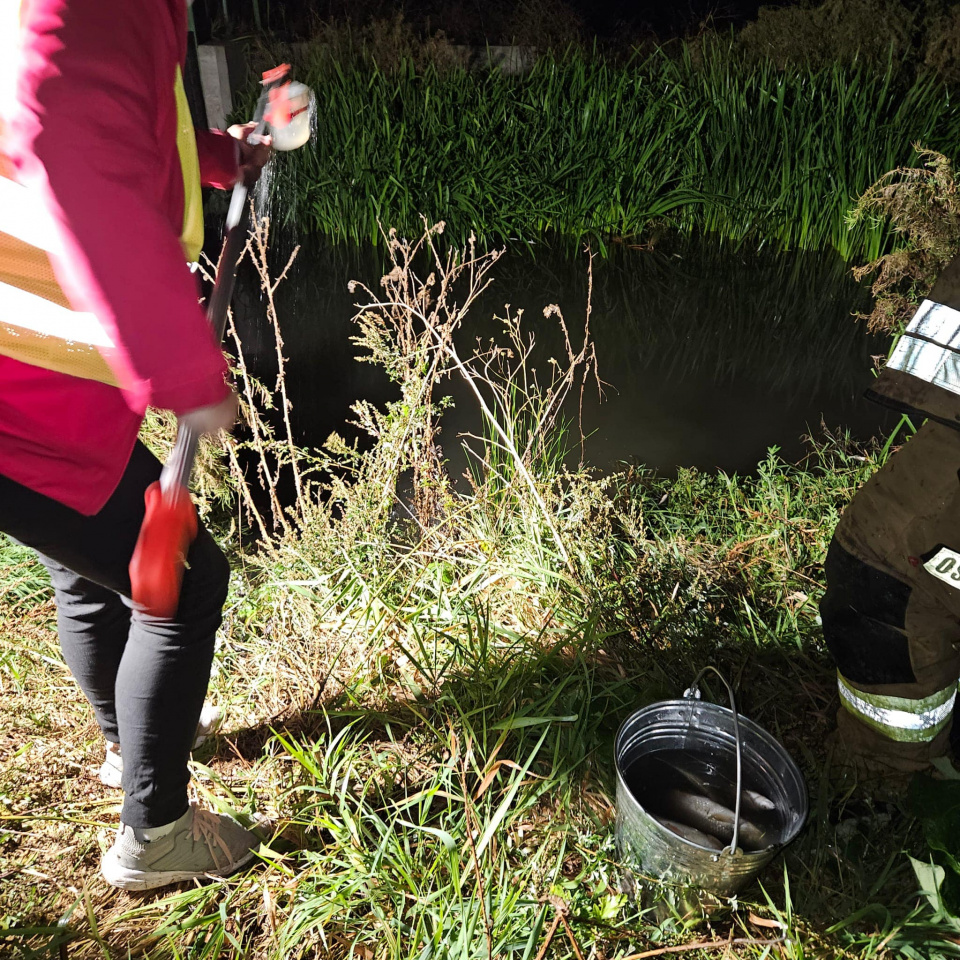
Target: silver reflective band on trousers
(898,718)
(930,346)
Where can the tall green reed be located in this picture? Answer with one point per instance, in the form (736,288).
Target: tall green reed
(581,146)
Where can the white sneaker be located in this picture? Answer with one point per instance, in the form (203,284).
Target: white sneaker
(199,844)
(111,771)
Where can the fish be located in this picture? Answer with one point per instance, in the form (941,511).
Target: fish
(757,801)
(709,816)
(691,833)
(703,775)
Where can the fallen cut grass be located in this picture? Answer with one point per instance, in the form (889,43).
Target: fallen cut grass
(423,699)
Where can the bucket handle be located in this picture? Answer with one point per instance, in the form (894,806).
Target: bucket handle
(693,693)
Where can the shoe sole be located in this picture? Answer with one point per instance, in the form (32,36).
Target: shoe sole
(126,878)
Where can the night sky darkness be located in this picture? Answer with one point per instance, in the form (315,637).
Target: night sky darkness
(666,18)
(612,20)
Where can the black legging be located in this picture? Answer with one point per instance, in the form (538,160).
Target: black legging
(145,677)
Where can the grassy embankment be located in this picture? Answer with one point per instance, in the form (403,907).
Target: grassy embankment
(424,697)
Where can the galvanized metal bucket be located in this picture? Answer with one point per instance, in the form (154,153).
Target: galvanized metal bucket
(694,725)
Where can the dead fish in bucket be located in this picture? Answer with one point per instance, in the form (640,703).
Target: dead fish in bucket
(707,778)
(700,775)
(709,816)
(690,833)
(695,779)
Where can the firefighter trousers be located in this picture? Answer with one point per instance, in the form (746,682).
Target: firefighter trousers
(891,611)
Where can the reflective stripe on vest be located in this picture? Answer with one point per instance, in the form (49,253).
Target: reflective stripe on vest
(37,324)
(191,236)
(899,718)
(930,346)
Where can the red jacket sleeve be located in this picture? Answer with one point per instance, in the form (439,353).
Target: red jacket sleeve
(94,99)
(219,159)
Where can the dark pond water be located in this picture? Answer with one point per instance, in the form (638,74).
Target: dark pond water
(711,355)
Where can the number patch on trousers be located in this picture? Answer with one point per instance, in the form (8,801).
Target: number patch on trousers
(945,566)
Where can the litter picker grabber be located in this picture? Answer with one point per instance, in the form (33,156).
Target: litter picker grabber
(170,522)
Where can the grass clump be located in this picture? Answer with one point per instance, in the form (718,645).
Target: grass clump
(422,681)
(923,208)
(919,36)
(836,31)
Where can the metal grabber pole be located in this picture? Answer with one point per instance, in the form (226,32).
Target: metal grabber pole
(170,522)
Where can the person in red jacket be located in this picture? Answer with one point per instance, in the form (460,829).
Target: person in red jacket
(99,318)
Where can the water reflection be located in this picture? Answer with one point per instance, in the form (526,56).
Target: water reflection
(711,354)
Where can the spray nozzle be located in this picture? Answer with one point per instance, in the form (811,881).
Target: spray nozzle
(289,108)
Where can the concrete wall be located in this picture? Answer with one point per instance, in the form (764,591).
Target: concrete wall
(215,80)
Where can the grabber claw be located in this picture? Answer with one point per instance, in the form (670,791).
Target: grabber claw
(159,558)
